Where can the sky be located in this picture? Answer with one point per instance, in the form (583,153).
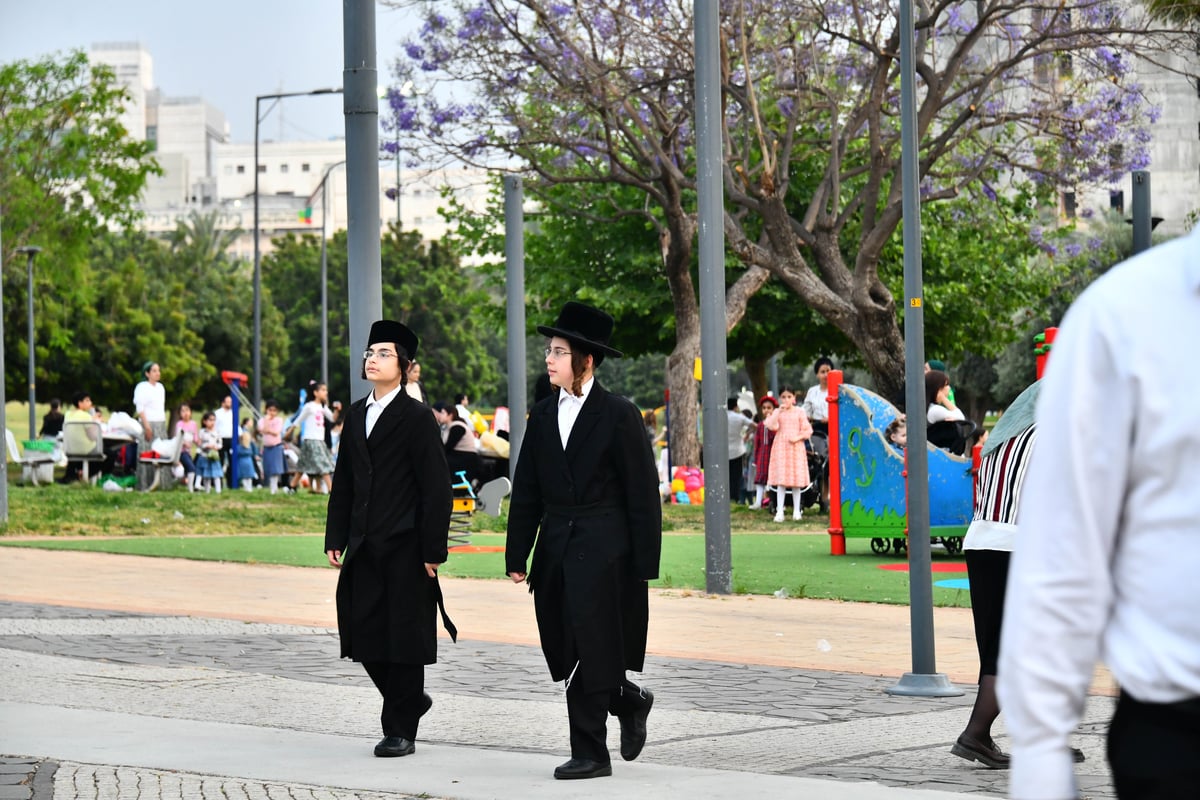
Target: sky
(226,51)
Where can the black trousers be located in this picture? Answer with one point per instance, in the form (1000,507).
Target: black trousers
(736,483)
(588,714)
(1154,749)
(402,687)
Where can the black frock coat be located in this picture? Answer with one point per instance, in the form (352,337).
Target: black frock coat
(389,514)
(592,517)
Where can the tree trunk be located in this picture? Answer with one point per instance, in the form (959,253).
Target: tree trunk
(878,339)
(677,242)
(756,368)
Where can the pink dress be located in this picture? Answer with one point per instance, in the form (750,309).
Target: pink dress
(789,461)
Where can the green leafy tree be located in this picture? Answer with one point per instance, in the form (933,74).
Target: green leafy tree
(424,286)
(69,172)
(136,313)
(600,93)
(219,303)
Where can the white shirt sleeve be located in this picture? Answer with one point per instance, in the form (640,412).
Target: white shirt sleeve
(939,413)
(1060,586)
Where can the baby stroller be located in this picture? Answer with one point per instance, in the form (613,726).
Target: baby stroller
(817,448)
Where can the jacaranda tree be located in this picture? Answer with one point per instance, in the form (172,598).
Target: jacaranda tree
(600,93)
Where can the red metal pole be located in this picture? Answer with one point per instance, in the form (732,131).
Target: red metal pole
(837,535)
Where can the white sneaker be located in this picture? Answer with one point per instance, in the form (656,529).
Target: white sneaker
(797,514)
(779,515)
(755,506)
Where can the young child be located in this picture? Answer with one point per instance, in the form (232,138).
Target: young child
(185,423)
(245,462)
(896,432)
(208,465)
(763,438)
(271,429)
(315,458)
(789,460)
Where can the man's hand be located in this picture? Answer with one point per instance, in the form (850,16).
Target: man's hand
(335,558)
(517,577)
(431,569)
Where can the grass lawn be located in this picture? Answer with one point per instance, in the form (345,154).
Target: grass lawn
(282,529)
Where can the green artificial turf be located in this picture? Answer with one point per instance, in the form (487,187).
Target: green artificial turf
(797,564)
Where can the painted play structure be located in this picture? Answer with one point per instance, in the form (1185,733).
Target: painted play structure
(867,477)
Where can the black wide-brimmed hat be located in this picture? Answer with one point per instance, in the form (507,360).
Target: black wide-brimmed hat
(589,327)
(386,330)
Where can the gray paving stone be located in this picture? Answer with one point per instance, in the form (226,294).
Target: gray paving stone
(752,718)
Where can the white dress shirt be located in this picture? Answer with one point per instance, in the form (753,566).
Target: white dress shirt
(568,409)
(1108,539)
(375,407)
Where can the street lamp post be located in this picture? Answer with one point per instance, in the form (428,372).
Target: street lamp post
(31,253)
(258,118)
(325,276)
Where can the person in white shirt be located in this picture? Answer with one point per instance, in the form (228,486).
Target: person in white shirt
(150,405)
(315,459)
(1106,560)
(224,429)
(739,425)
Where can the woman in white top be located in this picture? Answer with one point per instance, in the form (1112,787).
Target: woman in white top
(315,458)
(816,403)
(150,405)
(937,395)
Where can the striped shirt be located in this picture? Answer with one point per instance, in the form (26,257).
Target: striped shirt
(998,493)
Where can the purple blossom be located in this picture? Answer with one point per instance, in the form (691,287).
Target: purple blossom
(1072,249)
(989,192)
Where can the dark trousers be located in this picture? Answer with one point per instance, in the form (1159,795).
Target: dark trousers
(402,687)
(736,483)
(1153,749)
(588,714)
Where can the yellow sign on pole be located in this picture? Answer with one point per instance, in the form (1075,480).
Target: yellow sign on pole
(697,371)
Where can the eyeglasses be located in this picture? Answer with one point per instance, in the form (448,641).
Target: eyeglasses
(557,352)
(382,355)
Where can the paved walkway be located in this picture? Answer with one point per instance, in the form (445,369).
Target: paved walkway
(131,678)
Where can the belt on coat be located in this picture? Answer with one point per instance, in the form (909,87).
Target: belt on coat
(583,510)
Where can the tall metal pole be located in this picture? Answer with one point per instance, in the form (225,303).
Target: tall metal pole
(361,105)
(31,253)
(718,565)
(257,344)
(3,398)
(923,680)
(1141,211)
(324,283)
(514,260)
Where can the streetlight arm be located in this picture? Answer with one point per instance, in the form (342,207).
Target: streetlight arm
(258,99)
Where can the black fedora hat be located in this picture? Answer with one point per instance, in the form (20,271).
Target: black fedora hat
(386,330)
(589,327)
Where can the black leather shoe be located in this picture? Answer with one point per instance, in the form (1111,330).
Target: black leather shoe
(985,753)
(578,768)
(394,746)
(426,704)
(633,729)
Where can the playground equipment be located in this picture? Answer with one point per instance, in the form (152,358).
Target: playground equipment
(235,381)
(467,502)
(867,477)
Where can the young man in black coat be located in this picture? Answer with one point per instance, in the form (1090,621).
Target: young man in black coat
(585,502)
(386,530)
